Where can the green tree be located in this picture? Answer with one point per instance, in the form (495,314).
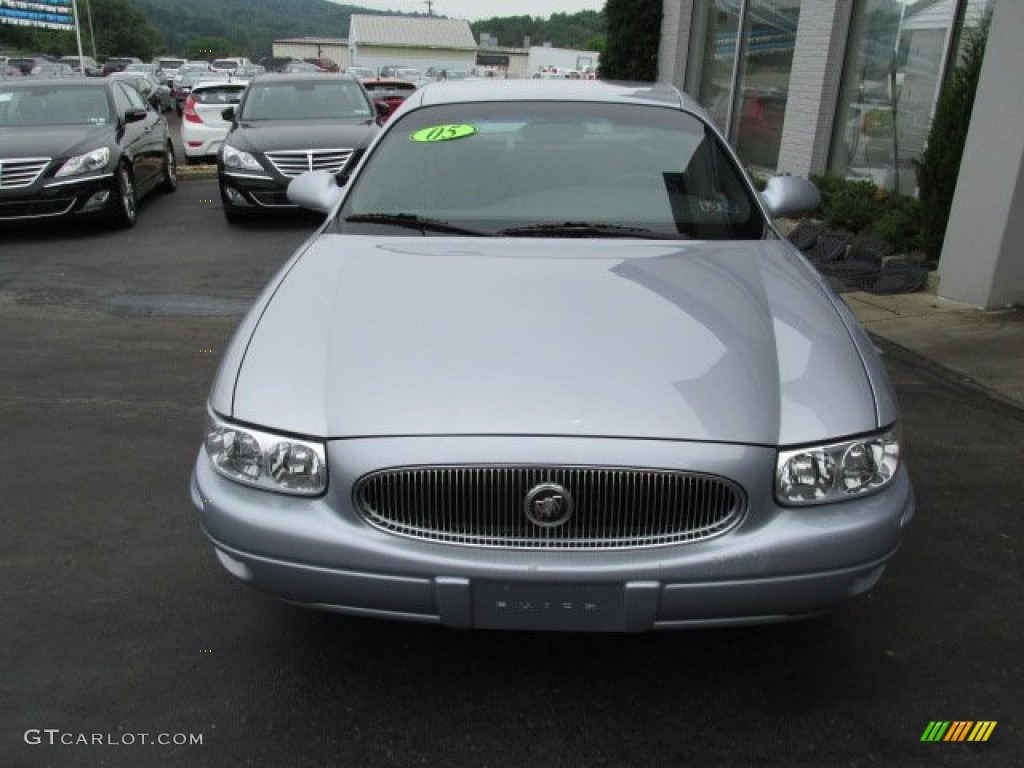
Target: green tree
(119,27)
(939,164)
(631,45)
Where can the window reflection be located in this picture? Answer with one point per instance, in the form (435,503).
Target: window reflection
(896,56)
(760,60)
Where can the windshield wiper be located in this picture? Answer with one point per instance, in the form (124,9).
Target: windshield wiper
(412,221)
(587,229)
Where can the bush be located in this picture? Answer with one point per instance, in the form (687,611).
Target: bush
(939,164)
(862,208)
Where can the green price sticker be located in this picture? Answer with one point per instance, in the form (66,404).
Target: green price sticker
(443,133)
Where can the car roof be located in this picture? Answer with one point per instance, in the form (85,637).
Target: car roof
(302,77)
(202,85)
(489,89)
(28,83)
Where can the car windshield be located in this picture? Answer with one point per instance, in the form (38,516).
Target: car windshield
(54,105)
(555,168)
(306,99)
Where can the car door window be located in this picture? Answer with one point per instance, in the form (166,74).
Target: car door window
(121,99)
(135,99)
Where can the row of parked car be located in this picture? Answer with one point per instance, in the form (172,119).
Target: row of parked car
(79,147)
(97,144)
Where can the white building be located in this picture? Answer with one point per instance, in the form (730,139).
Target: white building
(562,58)
(419,42)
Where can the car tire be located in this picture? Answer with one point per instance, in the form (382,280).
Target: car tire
(126,201)
(169,174)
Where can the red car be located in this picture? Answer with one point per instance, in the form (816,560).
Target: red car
(389,90)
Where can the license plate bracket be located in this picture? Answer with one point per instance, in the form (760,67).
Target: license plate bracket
(548,606)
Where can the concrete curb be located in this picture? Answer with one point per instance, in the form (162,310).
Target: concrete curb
(204,171)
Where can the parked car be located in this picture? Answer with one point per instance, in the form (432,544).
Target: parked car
(389,91)
(297,66)
(142,67)
(275,63)
(230,64)
(169,67)
(26,64)
(80,147)
(118,63)
(324,63)
(152,89)
(363,73)
(287,124)
(53,69)
(547,364)
(183,84)
(87,66)
(203,126)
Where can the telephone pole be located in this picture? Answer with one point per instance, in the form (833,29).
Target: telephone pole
(430,7)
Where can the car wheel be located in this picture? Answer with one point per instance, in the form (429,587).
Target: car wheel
(169,175)
(126,202)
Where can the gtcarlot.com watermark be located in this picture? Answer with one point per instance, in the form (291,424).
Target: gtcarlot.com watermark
(55,737)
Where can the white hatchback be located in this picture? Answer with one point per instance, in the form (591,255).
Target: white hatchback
(203,128)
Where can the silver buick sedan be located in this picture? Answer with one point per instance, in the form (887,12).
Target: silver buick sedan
(548,364)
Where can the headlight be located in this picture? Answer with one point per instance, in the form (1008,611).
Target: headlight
(236,158)
(91,161)
(827,473)
(265,460)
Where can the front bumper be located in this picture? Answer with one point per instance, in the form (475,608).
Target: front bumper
(778,564)
(251,190)
(54,198)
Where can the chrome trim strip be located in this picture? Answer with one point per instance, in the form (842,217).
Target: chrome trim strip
(65,183)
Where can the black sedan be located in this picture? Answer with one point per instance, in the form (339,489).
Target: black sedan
(77,147)
(288,124)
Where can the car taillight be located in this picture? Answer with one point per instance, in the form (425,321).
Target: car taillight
(189,112)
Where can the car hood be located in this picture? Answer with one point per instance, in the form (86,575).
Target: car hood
(734,342)
(274,135)
(53,140)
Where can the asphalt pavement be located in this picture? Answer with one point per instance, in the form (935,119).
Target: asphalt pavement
(121,630)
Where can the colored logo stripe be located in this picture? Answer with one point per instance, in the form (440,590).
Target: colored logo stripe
(935,731)
(958,730)
(982,730)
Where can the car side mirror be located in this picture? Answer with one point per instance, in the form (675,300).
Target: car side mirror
(135,115)
(383,108)
(315,190)
(789,195)
(228,113)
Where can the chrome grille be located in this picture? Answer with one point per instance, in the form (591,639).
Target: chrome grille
(293,162)
(21,172)
(613,508)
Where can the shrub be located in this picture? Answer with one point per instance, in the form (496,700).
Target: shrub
(939,164)
(861,207)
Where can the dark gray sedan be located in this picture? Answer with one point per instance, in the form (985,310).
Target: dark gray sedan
(76,147)
(548,365)
(286,125)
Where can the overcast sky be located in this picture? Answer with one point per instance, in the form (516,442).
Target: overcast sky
(485,9)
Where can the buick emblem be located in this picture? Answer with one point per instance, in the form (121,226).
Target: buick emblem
(548,505)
